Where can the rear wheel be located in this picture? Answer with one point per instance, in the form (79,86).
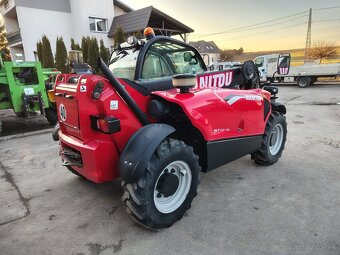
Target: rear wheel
(55,131)
(303,82)
(313,80)
(273,140)
(166,189)
(51,115)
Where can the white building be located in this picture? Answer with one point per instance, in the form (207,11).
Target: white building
(209,51)
(26,21)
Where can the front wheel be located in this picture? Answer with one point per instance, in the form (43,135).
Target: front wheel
(165,191)
(303,82)
(273,140)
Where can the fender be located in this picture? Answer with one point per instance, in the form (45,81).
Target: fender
(139,149)
(278,107)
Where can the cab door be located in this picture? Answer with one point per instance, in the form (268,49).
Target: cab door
(262,67)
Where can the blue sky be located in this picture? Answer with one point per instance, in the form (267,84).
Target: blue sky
(207,17)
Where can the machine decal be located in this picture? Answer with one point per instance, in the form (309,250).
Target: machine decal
(231,99)
(29,91)
(62,112)
(216,80)
(114,105)
(284,70)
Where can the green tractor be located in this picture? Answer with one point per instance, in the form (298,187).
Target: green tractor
(24,88)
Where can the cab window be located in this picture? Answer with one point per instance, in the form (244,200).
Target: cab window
(155,67)
(123,63)
(259,62)
(272,60)
(165,59)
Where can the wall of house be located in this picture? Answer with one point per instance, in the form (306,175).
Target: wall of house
(89,8)
(210,58)
(66,18)
(118,11)
(11,24)
(3,10)
(51,5)
(34,23)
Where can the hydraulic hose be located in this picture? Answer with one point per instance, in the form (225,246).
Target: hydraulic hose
(123,93)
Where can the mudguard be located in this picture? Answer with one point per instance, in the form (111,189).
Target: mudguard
(278,107)
(139,149)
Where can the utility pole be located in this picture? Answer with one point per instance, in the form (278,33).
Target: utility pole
(309,34)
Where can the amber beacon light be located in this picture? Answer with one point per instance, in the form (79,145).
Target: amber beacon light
(149,33)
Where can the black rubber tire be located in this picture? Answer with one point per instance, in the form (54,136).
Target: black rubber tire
(139,197)
(55,131)
(263,156)
(0,127)
(20,114)
(303,82)
(74,172)
(51,115)
(313,80)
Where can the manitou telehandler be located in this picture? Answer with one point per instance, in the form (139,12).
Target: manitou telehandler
(158,118)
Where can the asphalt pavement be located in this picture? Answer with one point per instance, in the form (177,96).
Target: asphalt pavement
(292,207)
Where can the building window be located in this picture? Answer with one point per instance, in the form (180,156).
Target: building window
(97,24)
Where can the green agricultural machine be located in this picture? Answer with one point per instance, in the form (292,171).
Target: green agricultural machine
(24,88)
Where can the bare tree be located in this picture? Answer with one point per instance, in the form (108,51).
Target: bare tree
(228,55)
(321,49)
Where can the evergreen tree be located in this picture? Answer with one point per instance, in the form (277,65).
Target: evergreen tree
(5,53)
(61,56)
(119,36)
(85,47)
(39,51)
(47,55)
(103,52)
(93,53)
(74,45)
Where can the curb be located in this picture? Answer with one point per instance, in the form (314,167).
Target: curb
(22,135)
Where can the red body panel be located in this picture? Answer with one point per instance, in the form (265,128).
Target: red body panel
(210,110)
(99,151)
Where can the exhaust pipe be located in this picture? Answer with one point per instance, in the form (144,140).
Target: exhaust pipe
(122,92)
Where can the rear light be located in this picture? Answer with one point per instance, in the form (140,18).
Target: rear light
(51,96)
(106,125)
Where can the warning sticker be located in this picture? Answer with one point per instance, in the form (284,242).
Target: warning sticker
(82,88)
(29,91)
(114,105)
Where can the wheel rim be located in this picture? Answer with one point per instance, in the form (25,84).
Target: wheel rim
(303,82)
(276,138)
(170,203)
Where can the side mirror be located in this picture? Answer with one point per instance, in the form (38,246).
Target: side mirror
(187,56)
(283,64)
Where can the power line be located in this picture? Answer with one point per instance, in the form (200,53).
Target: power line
(257,24)
(269,31)
(327,8)
(259,27)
